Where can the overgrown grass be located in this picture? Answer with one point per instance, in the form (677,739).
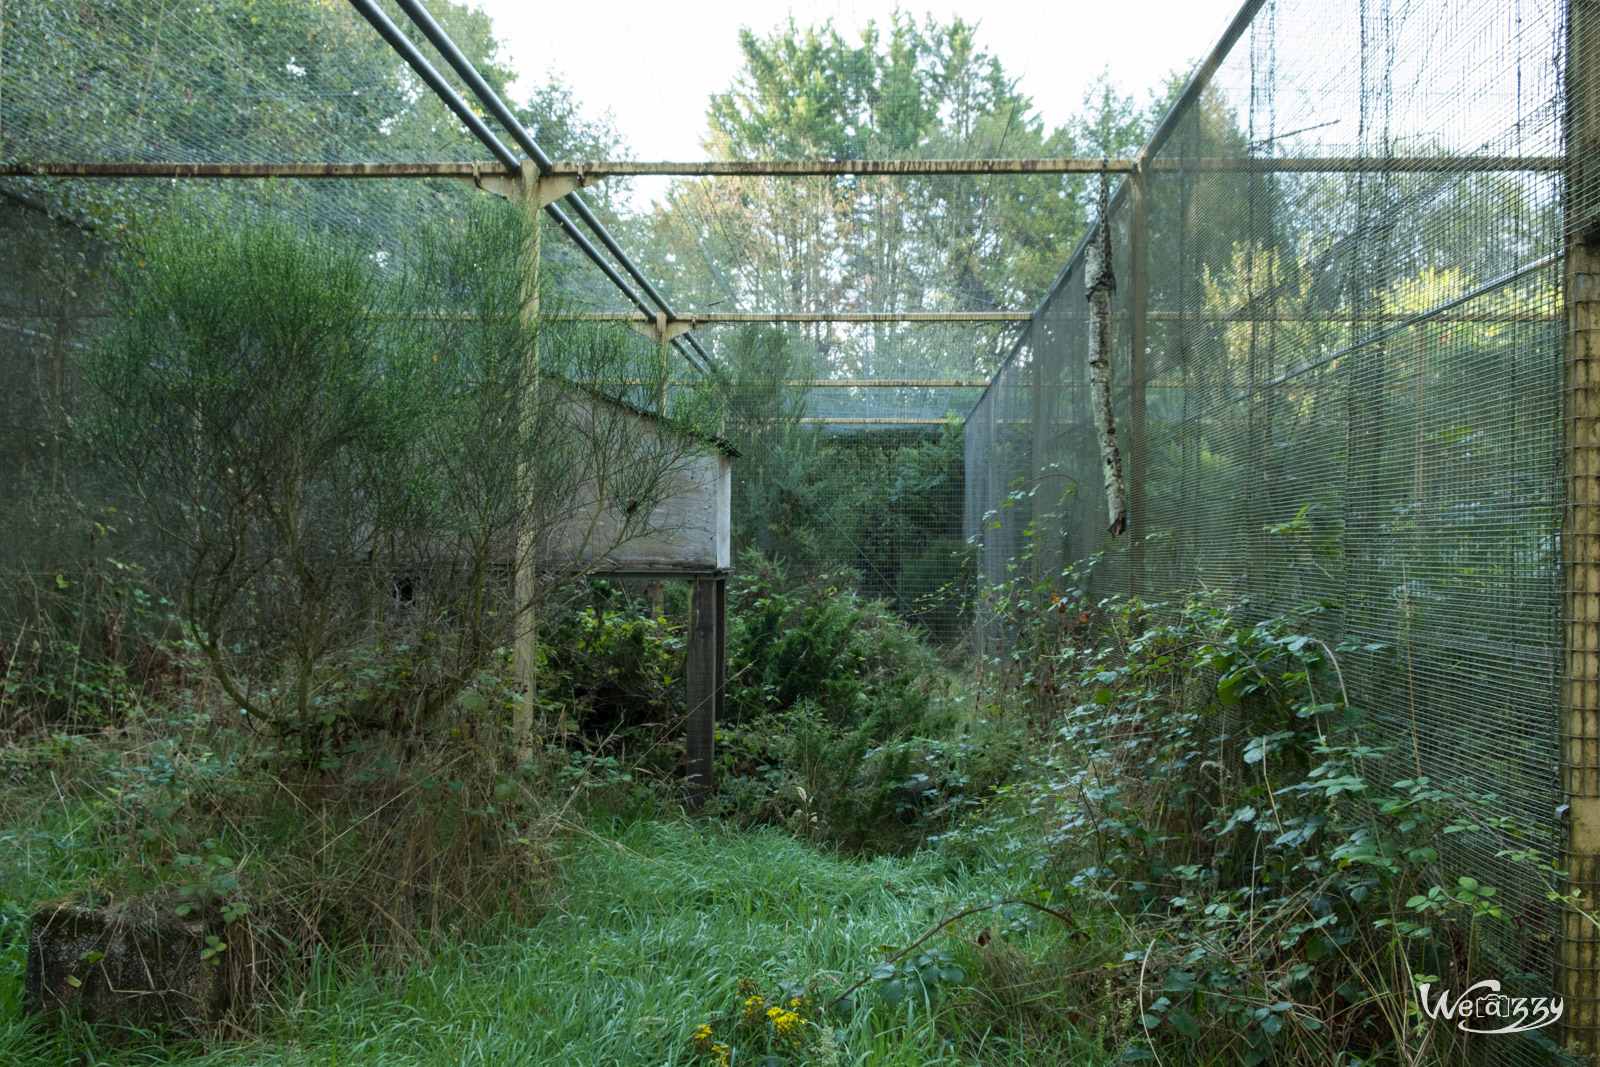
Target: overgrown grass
(652,926)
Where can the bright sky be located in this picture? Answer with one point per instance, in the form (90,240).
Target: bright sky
(654,64)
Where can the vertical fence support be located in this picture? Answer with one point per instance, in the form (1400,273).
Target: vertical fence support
(663,362)
(719,652)
(706,671)
(1138,312)
(525,647)
(1042,384)
(1580,536)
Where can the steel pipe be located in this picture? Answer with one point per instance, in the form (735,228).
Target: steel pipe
(586,170)
(594,170)
(441,88)
(497,107)
(877,422)
(795,168)
(451,99)
(254,170)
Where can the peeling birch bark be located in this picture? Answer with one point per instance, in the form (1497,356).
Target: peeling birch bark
(1101,284)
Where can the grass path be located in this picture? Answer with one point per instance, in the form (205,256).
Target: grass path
(641,944)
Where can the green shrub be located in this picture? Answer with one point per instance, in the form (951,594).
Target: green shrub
(841,722)
(1284,872)
(614,673)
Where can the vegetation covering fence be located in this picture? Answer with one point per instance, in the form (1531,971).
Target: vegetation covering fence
(1337,351)
(1344,299)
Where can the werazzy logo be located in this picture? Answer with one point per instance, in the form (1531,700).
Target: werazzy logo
(1485,1005)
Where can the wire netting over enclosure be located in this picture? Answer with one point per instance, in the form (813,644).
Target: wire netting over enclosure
(1338,377)
(1347,347)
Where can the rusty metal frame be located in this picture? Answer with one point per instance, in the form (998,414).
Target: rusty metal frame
(584,172)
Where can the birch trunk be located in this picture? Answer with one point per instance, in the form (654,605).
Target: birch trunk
(1101,285)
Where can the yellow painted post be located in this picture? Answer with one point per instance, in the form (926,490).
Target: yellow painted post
(526,645)
(1580,539)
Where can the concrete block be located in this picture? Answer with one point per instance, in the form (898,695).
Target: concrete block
(131,963)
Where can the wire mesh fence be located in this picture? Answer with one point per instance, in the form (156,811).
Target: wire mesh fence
(153,82)
(1337,335)
(1349,394)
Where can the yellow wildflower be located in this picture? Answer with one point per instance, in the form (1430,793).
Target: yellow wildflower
(702,1038)
(786,1023)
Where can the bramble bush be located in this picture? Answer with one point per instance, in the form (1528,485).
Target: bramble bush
(1283,872)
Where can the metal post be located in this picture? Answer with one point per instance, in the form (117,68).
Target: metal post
(526,645)
(663,362)
(703,686)
(720,651)
(1039,449)
(1138,311)
(1580,538)
(1048,481)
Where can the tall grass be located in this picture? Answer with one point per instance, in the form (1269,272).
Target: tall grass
(651,927)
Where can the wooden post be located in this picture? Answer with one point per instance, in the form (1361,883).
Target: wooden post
(525,648)
(1580,539)
(1138,312)
(703,685)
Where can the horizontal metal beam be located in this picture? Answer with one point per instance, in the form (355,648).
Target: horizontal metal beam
(802,168)
(821,383)
(1359,164)
(859,383)
(880,422)
(594,170)
(890,383)
(253,170)
(1334,318)
(714,318)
